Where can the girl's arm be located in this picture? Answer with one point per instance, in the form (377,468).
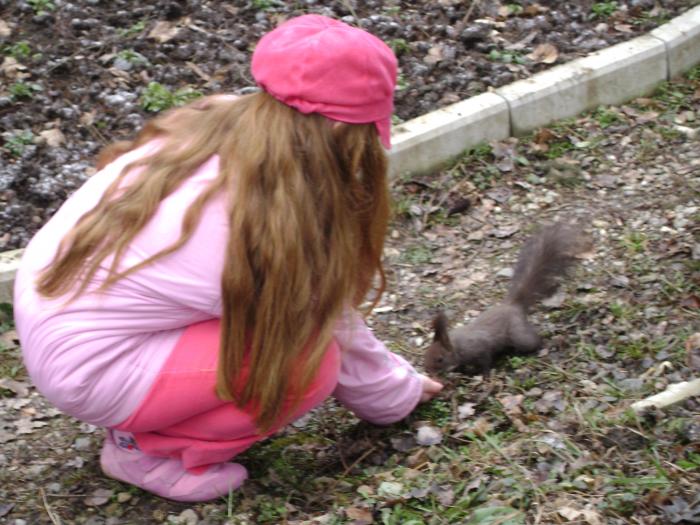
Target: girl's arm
(374,383)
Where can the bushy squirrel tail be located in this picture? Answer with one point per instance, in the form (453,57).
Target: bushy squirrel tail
(544,260)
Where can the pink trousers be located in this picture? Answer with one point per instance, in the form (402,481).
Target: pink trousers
(182,417)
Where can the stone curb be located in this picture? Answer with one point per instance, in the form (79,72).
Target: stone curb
(610,76)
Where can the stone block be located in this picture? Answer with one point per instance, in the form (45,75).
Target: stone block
(429,141)
(610,76)
(682,38)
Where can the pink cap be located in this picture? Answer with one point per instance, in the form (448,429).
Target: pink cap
(319,65)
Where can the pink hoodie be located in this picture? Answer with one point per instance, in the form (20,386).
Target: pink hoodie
(96,357)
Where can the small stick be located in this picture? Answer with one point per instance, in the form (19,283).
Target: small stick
(54,518)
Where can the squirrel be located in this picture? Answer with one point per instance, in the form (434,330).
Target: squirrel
(544,259)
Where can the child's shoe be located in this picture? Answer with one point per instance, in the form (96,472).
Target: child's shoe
(121,459)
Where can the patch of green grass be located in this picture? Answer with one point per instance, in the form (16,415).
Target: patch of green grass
(603,9)
(401,82)
(514,9)
(693,74)
(507,57)
(157,97)
(41,6)
(19,50)
(133,29)
(264,5)
(437,411)
(16,143)
(401,515)
(558,149)
(399,46)
(23,90)
(635,242)
(672,95)
(132,57)
(417,254)
(606,117)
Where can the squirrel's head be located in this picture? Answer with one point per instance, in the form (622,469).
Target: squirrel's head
(440,355)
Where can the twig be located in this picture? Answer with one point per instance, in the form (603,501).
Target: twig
(468,14)
(350,8)
(357,461)
(52,516)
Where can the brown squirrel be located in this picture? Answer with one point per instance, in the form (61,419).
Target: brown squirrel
(544,259)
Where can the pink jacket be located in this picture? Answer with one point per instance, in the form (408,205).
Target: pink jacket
(96,357)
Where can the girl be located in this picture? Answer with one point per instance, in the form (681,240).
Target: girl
(201,290)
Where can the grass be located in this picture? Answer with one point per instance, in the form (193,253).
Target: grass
(157,97)
(24,90)
(16,143)
(133,30)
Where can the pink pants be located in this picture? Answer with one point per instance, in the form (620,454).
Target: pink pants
(182,417)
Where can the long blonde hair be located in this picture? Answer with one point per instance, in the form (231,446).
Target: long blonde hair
(308,210)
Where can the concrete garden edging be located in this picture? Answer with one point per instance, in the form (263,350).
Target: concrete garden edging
(610,76)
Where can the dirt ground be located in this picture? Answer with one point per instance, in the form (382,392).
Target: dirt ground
(545,439)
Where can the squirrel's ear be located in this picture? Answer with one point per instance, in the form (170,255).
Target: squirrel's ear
(442,331)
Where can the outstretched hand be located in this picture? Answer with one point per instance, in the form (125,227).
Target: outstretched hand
(430,388)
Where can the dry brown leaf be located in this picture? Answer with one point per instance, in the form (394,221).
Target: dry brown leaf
(361,516)
(19,388)
(623,28)
(535,9)
(692,302)
(53,137)
(589,515)
(13,69)
(511,404)
(435,55)
(544,54)
(692,346)
(5,29)
(88,118)
(99,497)
(465,410)
(163,31)
(9,340)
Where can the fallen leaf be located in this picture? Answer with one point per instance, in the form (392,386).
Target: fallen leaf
(98,497)
(5,509)
(5,29)
(535,9)
(550,400)
(544,54)
(19,388)
(623,28)
(9,340)
(53,137)
(361,516)
(465,410)
(692,302)
(12,68)
(505,231)
(692,346)
(88,118)
(435,55)
(428,435)
(27,426)
(391,489)
(445,495)
(511,404)
(403,443)
(163,31)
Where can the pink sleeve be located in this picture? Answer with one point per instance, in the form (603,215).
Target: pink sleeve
(374,383)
